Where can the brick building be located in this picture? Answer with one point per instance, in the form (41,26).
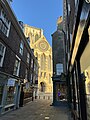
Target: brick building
(18,65)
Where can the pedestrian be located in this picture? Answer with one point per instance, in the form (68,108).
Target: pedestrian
(33,94)
(59,94)
(21,97)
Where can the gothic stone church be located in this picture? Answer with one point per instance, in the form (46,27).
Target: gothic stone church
(43,52)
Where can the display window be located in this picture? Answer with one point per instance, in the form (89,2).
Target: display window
(60,91)
(11,91)
(85,72)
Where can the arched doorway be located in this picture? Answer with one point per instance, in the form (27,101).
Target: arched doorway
(42,87)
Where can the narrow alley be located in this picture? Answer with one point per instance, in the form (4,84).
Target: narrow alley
(39,110)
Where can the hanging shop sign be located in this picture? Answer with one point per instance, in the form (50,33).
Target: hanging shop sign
(11,82)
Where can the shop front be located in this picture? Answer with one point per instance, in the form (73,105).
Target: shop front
(9,93)
(85,70)
(79,66)
(59,90)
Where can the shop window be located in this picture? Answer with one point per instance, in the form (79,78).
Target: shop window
(2,53)
(21,48)
(11,90)
(85,70)
(4,23)
(16,67)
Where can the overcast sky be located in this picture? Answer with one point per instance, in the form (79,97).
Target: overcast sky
(39,13)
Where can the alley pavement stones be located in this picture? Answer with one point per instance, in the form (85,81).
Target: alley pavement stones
(39,110)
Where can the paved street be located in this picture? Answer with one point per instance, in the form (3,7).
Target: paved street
(38,110)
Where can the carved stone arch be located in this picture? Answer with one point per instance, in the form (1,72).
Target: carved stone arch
(42,87)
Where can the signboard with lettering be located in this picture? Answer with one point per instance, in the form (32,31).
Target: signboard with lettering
(11,82)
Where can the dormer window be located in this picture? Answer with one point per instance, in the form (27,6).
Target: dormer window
(4,23)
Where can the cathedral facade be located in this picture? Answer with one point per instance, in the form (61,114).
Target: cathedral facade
(43,52)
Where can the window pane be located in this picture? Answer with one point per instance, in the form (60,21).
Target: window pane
(59,69)
(16,67)
(21,48)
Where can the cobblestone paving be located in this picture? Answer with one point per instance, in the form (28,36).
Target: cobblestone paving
(38,110)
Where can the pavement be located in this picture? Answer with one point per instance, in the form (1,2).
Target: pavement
(39,110)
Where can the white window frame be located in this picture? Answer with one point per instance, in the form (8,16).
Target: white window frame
(59,68)
(17,72)
(21,47)
(5,23)
(3,54)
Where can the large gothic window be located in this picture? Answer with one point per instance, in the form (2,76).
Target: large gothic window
(49,78)
(36,37)
(43,62)
(49,62)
